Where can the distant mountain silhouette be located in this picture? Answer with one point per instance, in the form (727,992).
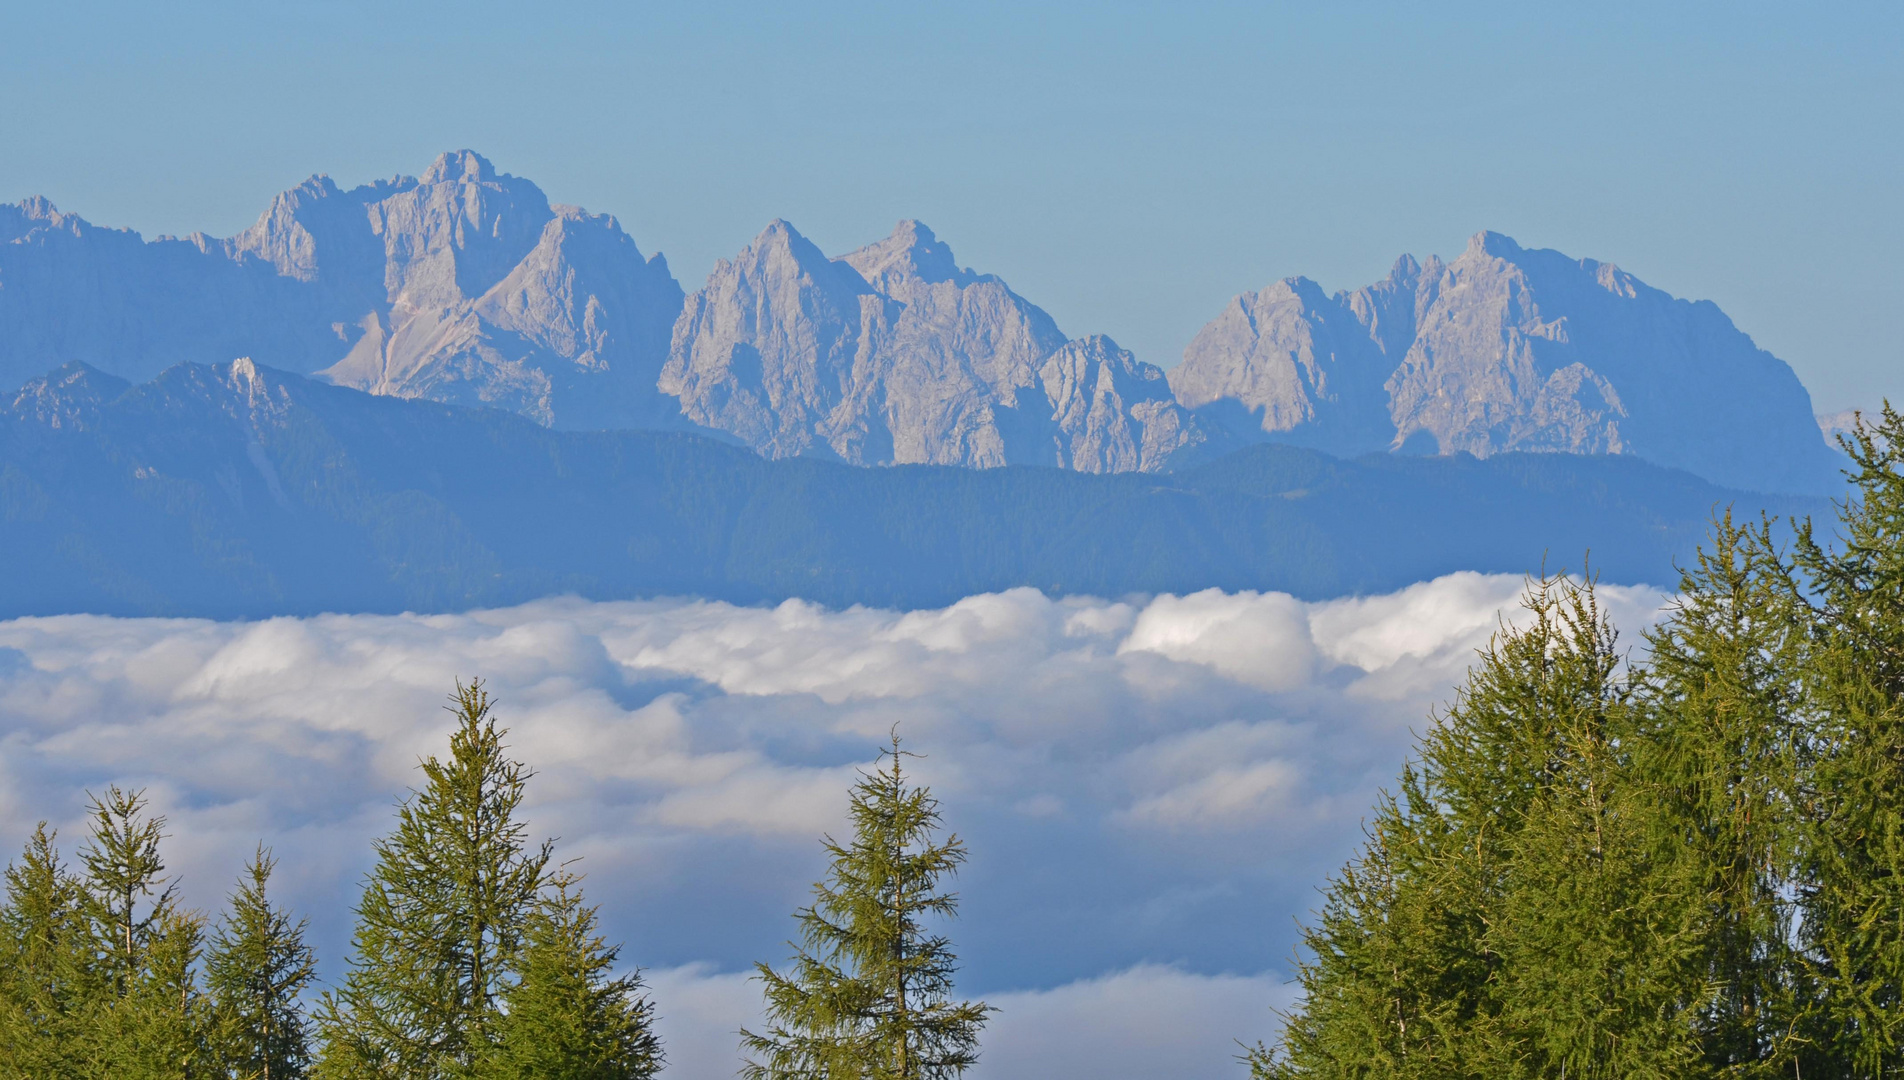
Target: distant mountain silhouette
(466,286)
(1507,349)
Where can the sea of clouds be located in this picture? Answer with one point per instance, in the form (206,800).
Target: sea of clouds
(1152,791)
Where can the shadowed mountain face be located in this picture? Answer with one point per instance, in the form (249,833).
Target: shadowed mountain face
(1507,349)
(463,285)
(466,286)
(235,490)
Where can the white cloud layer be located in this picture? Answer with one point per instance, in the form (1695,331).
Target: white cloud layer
(1151,791)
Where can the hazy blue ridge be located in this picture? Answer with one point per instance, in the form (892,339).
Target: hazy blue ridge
(238,491)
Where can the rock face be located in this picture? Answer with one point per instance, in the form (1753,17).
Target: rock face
(465,286)
(1295,363)
(894,354)
(1507,349)
(1114,412)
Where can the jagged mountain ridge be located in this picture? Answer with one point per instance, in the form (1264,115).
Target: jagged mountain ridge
(1507,349)
(893,354)
(466,285)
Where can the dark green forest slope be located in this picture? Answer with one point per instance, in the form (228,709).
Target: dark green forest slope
(233,490)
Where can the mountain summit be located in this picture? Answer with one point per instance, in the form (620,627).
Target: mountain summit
(465,285)
(1507,348)
(468,286)
(893,354)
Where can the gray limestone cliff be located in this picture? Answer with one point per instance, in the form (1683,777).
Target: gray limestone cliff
(893,354)
(464,285)
(1507,349)
(467,286)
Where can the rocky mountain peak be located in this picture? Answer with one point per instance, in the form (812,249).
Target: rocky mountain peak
(465,166)
(287,234)
(36,213)
(911,254)
(464,285)
(1114,413)
(1507,348)
(896,355)
(68,398)
(458,231)
(783,245)
(1495,245)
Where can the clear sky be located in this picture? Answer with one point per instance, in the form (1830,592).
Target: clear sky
(1127,167)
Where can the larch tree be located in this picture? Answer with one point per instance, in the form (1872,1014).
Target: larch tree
(1724,742)
(569,1016)
(44,965)
(442,915)
(145,1018)
(1515,911)
(869,992)
(1851,881)
(256,970)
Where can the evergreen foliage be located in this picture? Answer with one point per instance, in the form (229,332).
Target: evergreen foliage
(99,972)
(256,971)
(144,1015)
(869,996)
(1509,915)
(1851,880)
(569,1017)
(45,987)
(472,961)
(442,915)
(1724,740)
(1691,869)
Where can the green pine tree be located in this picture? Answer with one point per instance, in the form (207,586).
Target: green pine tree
(442,916)
(256,970)
(870,993)
(44,955)
(568,1017)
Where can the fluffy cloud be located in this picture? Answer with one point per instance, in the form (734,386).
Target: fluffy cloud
(1151,790)
(1143,1022)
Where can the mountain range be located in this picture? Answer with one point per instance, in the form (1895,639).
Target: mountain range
(233,490)
(467,286)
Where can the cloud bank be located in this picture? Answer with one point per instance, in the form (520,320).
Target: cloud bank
(1152,791)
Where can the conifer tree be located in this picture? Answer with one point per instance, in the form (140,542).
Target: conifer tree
(257,968)
(869,996)
(145,1018)
(1852,878)
(1724,742)
(569,1017)
(129,899)
(1515,911)
(43,958)
(442,915)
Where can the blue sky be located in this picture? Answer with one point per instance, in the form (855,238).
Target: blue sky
(1128,167)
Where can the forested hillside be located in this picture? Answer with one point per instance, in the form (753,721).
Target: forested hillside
(234,490)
